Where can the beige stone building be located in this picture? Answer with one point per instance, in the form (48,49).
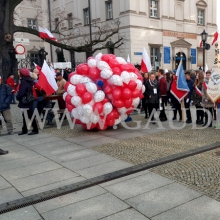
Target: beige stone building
(169,29)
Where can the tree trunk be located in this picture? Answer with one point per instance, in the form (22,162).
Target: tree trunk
(6,38)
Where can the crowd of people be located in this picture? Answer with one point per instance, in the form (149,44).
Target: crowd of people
(158,94)
(30,95)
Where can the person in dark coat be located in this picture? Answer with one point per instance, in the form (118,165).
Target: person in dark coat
(144,104)
(152,94)
(26,85)
(188,98)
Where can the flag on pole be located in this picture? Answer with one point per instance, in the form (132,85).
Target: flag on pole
(44,33)
(179,87)
(145,63)
(128,59)
(215,38)
(53,71)
(206,69)
(47,80)
(37,67)
(200,45)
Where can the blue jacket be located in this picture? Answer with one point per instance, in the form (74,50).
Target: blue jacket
(190,85)
(5,97)
(25,86)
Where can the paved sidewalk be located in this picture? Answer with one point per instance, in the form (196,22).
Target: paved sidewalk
(44,162)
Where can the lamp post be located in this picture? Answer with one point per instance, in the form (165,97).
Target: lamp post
(204,36)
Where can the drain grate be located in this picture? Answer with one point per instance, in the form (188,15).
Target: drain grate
(44,196)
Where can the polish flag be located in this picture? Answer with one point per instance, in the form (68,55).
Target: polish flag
(200,45)
(198,91)
(205,85)
(145,63)
(37,67)
(46,34)
(47,80)
(215,38)
(128,59)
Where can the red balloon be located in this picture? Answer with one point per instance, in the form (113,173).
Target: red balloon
(70,75)
(85,70)
(118,104)
(68,99)
(126,93)
(116,71)
(106,57)
(110,116)
(107,89)
(66,86)
(111,122)
(80,89)
(117,115)
(86,97)
(113,63)
(94,73)
(139,76)
(70,107)
(130,111)
(79,67)
(116,94)
(112,56)
(127,67)
(136,93)
(141,96)
(105,101)
(132,85)
(98,108)
(128,103)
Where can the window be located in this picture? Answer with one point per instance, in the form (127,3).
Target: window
(109,10)
(32,23)
(70,21)
(201,17)
(34,58)
(56,23)
(86,16)
(154,55)
(154,9)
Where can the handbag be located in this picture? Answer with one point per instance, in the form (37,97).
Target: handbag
(28,98)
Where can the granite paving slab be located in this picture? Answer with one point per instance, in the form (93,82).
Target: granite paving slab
(9,194)
(97,142)
(17,155)
(40,141)
(91,209)
(4,184)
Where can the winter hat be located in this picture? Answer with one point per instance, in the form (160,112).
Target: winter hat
(24,72)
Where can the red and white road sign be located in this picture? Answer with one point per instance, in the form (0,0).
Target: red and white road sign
(20,49)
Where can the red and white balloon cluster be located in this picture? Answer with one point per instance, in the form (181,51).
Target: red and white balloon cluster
(103,91)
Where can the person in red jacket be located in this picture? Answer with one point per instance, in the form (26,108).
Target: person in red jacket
(11,82)
(163,93)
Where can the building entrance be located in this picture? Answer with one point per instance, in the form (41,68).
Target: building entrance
(178,58)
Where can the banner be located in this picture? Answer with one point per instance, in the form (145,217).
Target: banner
(62,65)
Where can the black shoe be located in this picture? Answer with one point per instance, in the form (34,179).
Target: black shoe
(3,152)
(146,116)
(22,133)
(200,123)
(153,123)
(210,126)
(174,119)
(33,133)
(180,120)
(163,119)
(204,125)
(188,121)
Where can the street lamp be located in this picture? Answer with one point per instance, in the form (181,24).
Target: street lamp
(205,46)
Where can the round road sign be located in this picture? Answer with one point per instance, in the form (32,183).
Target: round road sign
(20,49)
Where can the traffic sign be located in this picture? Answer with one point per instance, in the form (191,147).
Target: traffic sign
(20,49)
(21,57)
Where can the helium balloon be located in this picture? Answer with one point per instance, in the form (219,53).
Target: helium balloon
(80,89)
(86,97)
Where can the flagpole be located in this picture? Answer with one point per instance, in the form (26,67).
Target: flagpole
(182,109)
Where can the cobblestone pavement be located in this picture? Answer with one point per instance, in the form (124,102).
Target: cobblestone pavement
(200,172)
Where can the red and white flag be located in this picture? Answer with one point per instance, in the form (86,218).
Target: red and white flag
(47,80)
(205,85)
(200,45)
(37,67)
(46,34)
(215,38)
(198,91)
(145,63)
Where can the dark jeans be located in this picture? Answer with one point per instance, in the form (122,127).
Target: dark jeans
(145,106)
(151,107)
(199,113)
(13,98)
(162,112)
(188,112)
(33,124)
(177,108)
(206,116)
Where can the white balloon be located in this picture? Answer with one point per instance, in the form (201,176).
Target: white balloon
(121,60)
(101,65)
(94,118)
(87,110)
(125,77)
(92,102)
(136,102)
(118,121)
(143,88)
(92,63)
(99,96)
(122,110)
(106,73)
(71,89)
(91,87)
(74,113)
(85,80)
(133,76)
(76,101)
(80,111)
(98,57)
(116,80)
(64,95)
(107,108)
(76,79)
(139,84)
(84,119)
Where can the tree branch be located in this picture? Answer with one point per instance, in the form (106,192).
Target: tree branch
(14,3)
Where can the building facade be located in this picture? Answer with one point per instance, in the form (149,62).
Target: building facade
(168,29)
